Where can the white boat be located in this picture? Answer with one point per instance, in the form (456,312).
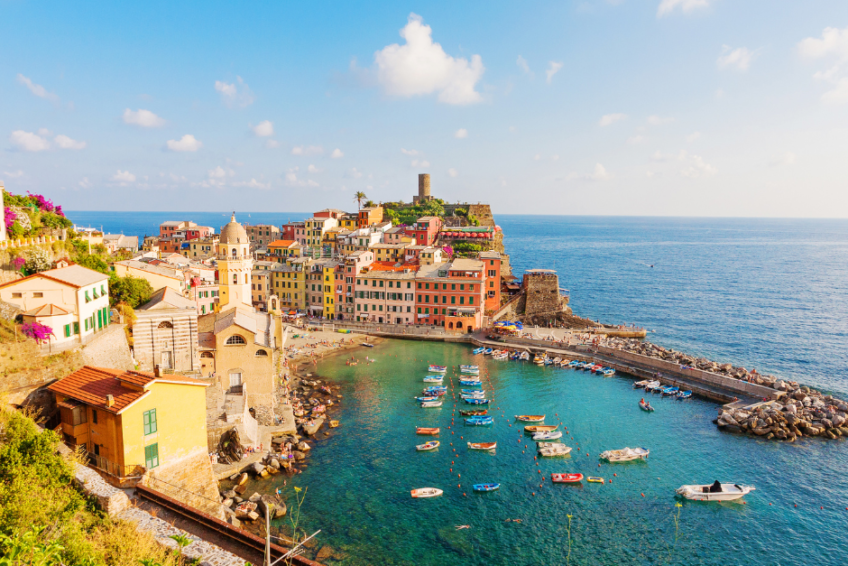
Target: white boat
(547,435)
(432,445)
(431,404)
(557,361)
(552,449)
(524,356)
(434,379)
(480,395)
(728,491)
(426,492)
(470,368)
(625,454)
(502,355)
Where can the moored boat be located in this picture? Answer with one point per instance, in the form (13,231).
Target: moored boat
(477,401)
(438,369)
(487,351)
(625,454)
(524,356)
(541,428)
(566,478)
(478,350)
(425,492)
(547,435)
(428,398)
(432,445)
(486,486)
(473,412)
(670,391)
(479,421)
(423,430)
(641,384)
(530,418)
(595,479)
(482,445)
(715,492)
(608,372)
(471,390)
(681,395)
(433,379)
(552,449)
(431,404)
(470,382)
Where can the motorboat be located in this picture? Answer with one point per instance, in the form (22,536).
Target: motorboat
(437,388)
(470,382)
(477,351)
(469,367)
(487,351)
(608,372)
(670,391)
(425,492)
(433,379)
(469,370)
(438,369)
(502,355)
(715,492)
(681,395)
(431,404)
(524,356)
(540,428)
(625,454)
(530,418)
(486,486)
(471,391)
(645,406)
(547,435)
(557,361)
(479,421)
(539,360)
(367,345)
(641,384)
(654,387)
(548,361)
(482,445)
(574,363)
(423,430)
(591,479)
(479,395)
(552,450)
(437,393)
(566,478)
(428,398)
(477,401)
(473,412)
(432,445)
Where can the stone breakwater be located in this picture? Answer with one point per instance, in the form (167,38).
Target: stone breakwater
(792,412)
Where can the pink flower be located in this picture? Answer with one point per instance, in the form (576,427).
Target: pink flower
(37,331)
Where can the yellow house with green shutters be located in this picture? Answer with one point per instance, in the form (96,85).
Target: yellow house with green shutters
(132,423)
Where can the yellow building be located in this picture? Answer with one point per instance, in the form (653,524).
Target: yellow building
(288,282)
(329,288)
(235,264)
(279,250)
(157,275)
(349,221)
(132,422)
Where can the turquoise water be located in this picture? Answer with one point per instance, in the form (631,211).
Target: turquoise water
(359,479)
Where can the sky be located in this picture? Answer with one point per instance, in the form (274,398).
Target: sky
(589,107)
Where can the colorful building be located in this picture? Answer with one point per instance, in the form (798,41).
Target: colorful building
(386,293)
(369,216)
(425,230)
(451,294)
(280,250)
(492,264)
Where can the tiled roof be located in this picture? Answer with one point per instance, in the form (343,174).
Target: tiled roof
(167,298)
(282,243)
(158,270)
(74,275)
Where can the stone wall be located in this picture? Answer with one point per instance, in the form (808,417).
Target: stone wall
(177,340)
(109,349)
(189,480)
(542,290)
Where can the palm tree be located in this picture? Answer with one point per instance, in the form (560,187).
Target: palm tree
(358,196)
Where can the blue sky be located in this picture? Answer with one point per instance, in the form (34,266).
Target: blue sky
(627,107)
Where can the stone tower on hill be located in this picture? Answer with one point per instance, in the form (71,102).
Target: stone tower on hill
(235,264)
(423,189)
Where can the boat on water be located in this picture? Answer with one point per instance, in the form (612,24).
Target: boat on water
(477,351)
(670,391)
(477,401)
(595,479)
(715,492)
(530,418)
(438,393)
(547,435)
(645,406)
(541,428)
(481,395)
(334,424)
(502,355)
(433,379)
(469,367)
(654,387)
(557,361)
(427,398)
(681,395)
(486,486)
(574,363)
(524,356)
(425,492)
(625,454)
(608,372)
(479,421)
(473,412)
(432,445)
(553,449)
(431,404)
(539,360)
(641,384)
(423,430)
(482,445)
(566,478)
(471,391)
(367,345)
(437,369)
(469,371)
(487,351)
(470,382)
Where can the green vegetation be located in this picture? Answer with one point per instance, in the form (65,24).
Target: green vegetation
(28,215)
(91,261)
(44,520)
(133,291)
(400,213)
(466,247)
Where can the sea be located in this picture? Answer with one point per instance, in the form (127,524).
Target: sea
(770,294)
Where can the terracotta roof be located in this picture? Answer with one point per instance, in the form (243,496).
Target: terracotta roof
(46,310)
(392,266)
(282,243)
(74,276)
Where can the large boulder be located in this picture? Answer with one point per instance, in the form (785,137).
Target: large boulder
(254,498)
(799,394)
(298,455)
(274,463)
(304,447)
(257,468)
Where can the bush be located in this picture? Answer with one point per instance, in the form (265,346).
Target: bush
(133,291)
(38,259)
(93,262)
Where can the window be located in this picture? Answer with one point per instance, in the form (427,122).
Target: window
(149,422)
(453,300)
(38,295)
(67,331)
(235,340)
(462,300)
(17,295)
(165,324)
(470,300)
(87,297)
(419,310)
(94,416)
(151,456)
(261,354)
(462,287)
(76,328)
(453,286)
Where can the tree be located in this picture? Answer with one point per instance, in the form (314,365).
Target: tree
(93,262)
(133,291)
(359,196)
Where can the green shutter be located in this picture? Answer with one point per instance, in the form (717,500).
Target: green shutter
(470,300)
(151,456)
(76,328)
(150,425)
(67,331)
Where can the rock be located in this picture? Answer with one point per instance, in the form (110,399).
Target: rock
(274,463)
(762,431)
(304,447)
(298,455)
(726,419)
(325,553)
(731,428)
(830,435)
(237,499)
(229,494)
(234,477)
(244,509)
(799,395)
(240,489)
(264,473)
(257,468)
(827,423)
(254,498)
(269,503)
(770,436)
(780,385)
(253,515)
(272,471)
(279,510)
(811,431)
(791,409)
(242,479)
(227,502)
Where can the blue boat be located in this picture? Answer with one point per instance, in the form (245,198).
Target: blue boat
(470,382)
(486,486)
(427,398)
(681,395)
(487,351)
(436,388)
(479,421)
(478,350)
(471,391)
(477,401)
(670,390)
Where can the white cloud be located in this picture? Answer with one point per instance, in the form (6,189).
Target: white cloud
(553,68)
(461,134)
(739,58)
(293,181)
(309,150)
(599,174)
(220,173)
(235,94)
(537,157)
(696,167)
(422,67)
(264,129)
(409,151)
(313,169)
(187,143)
(668,6)
(833,42)
(143,118)
(123,177)
(658,120)
(608,119)
(839,95)
(693,136)
(636,140)
(65,142)
(788,158)
(14,174)
(453,172)
(37,89)
(28,141)
(660,157)
(337,154)
(254,184)
(423,164)
(271,144)
(354,173)
(84,183)
(522,64)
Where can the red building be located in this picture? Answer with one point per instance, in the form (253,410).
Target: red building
(425,230)
(451,294)
(492,264)
(329,213)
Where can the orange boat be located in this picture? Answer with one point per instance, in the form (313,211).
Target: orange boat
(482,445)
(425,430)
(566,478)
(541,428)
(530,418)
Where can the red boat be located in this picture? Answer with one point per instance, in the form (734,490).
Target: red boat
(566,478)
(425,430)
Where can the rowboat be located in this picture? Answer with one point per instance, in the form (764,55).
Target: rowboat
(500,356)
(478,351)
(482,445)
(547,435)
(548,361)
(566,478)
(645,406)
(720,492)
(471,372)
(574,363)
(437,388)
(530,418)
(557,361)
(481,395)
(432,445)
(681,395)
(423,430)
(524,356)
(431,404)
(433,379)
(486,486)
(625,454)
(479,421)
(470,382)
(469,368)
(595,480)
(477,401)
(552,449)
(541,428)
(334,424)
(426,492)
(487,351)
(439,393)
(427,398)
(470,390)
(438,369)
(367,345)
(670,390)
(608,372)
(473,412)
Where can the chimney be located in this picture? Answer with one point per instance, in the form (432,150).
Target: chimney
(110,400)
(156,371)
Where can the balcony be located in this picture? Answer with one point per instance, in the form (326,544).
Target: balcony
(116,474)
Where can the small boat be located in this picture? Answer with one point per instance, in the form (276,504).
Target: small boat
(428,398)
(433,379)
(470,390)
(541,428)
(608,372)
(486,486)
(438,369)
(435,393)
(548,361)
(482,445)
(500,356)
(722,492)
(334,424)
(557,361)
(473,412)
(479,421)
(552,449)
(469,368)
(480,395)
(367,345)
(530,418)
(487,351)
(477,401)
(426,492)
(437,387)
(654,387)
(641,384)
(566,478)
(574,363)
(645,406)
(431,404)
(547,435)
(538,360)
(625,454)
(670,391)
(423,430)
(470,382)
(681,395)
(524,356)
(595,480)
(432,445)
(471,372)
(477,351)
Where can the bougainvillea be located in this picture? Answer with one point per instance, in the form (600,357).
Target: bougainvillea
(18,263)
(37,331)
(10,217)
(448,250)
(44,204)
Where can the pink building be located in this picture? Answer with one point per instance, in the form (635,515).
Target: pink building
(425,230)
(386,295)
